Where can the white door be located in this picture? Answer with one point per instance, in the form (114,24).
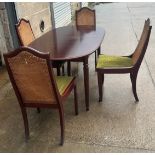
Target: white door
(62,14)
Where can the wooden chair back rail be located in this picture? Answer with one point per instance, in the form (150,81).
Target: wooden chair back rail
(85,16)
(139,49)
(24,31)
(141,56)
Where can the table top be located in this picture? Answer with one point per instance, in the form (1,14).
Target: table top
(69,42)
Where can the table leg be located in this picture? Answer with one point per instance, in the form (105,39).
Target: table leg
(58,71)
(99,51)
(69,68)
(86,81)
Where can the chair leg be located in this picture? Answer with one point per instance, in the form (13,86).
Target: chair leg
(58,71)
(63,70)
(69,68)
(62,125)
(26,126)
(99,51)
(75,101)
(133,77)
(102,79)
(100,83)
(38,110)
(95,59)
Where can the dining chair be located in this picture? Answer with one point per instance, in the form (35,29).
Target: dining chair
(85,17)
(36,86)
(124,64)
(26,36)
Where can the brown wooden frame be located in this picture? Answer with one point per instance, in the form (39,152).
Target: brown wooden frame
(132,70)
(59,98)
(55,64)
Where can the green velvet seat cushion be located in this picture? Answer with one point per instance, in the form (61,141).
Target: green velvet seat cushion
(63,82)
(113,61)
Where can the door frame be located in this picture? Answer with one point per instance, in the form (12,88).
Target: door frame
(12,17)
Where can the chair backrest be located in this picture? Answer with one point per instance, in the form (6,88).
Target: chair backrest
(85,16)
(31,76)
(140,50)
(24,32)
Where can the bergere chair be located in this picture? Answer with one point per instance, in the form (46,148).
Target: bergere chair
(26,36)
(36,86)
(124,64)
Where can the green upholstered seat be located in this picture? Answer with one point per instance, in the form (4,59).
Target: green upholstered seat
(63,82)
(106,61)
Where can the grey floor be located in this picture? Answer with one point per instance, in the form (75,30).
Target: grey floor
(115,125)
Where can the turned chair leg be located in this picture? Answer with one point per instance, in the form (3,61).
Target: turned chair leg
(75,101)
(26,126)
(133,77)
(62,125)
(100,83)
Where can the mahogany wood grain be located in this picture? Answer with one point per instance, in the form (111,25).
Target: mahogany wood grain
(68,43)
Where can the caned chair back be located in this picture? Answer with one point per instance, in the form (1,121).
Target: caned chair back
(142,44)
(24,32)
(85,16)
(31,76)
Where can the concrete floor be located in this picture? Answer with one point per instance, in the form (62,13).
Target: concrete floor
(115,125)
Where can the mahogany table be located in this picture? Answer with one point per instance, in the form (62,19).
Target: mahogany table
(72,44)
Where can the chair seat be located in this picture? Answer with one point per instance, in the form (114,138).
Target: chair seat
(63,82)
(105,61)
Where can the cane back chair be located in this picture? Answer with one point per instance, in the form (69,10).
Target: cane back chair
(85,17)
(36,86)
(124,64)
(26,36)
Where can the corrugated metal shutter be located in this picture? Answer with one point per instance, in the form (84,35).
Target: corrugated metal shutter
(62,13)
(84,4)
